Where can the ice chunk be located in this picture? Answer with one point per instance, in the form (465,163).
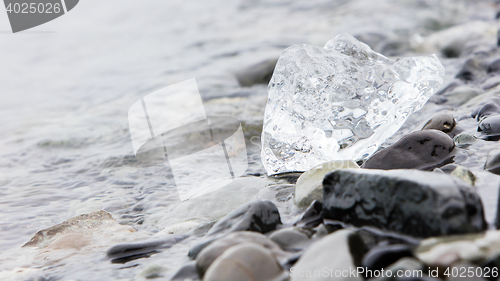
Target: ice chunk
(340,102)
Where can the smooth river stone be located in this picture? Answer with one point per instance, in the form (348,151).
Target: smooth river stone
(245,262)
(210,253)
(425,150)
(340,102)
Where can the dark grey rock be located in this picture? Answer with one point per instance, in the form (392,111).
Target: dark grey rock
(442,121)
(425,150)
(122,253)
(385,255)
(411,202)
(260,216)
(259,73)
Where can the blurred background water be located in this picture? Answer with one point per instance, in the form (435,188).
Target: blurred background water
(66,87)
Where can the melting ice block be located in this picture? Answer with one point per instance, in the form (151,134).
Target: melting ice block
(340,102)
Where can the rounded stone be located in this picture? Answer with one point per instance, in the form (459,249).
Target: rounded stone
(210,253)
(442,121)
(464,140)
(485,110)
(425,150)
(244,262)
(490,125)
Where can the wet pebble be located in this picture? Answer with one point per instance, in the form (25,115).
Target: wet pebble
(442,121)
(122,253)
(246,261)
(260,216)
(210,253)
(153,271)
(464,174)
(485,110)
(464,140)
(425,150)
(490,125)
(410,202)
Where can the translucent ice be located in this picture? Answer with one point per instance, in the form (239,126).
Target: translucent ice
(340,102)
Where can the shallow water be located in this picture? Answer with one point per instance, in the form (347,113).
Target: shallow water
(66,87)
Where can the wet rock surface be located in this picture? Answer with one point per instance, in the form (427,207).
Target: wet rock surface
(414,202)
(425,150)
